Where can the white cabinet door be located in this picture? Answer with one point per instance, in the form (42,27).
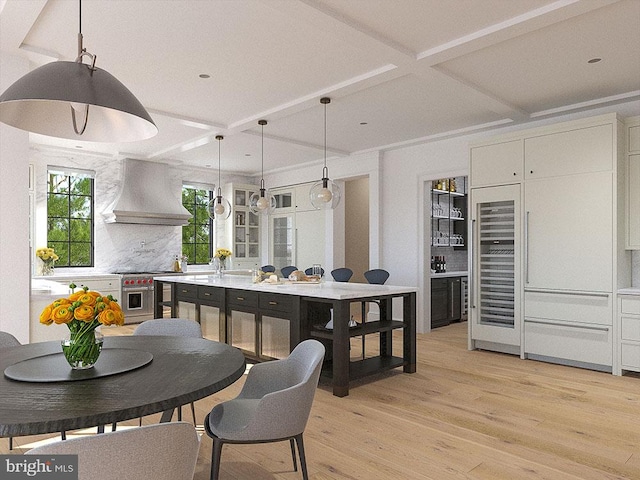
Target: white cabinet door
(581,150)
(633,202)
(497,164)
(303,200)
(310,238)
(569,233)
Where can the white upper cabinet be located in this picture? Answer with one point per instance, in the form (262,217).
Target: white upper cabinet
(582,150)
(632,203)
(497,164)
(569,233)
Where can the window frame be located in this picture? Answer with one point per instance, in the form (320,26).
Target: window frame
(68,242)
(211,224)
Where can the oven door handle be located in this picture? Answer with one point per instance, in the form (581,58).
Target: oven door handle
(136,289)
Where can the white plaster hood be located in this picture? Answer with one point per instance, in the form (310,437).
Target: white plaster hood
(146,196)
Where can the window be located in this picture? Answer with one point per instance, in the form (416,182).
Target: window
(70,216)
(197,237)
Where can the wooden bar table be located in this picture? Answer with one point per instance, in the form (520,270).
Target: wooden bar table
(307,307)
(182,370)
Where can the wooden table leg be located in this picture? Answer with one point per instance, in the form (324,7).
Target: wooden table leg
(409,332)
(341,348)
(386,339)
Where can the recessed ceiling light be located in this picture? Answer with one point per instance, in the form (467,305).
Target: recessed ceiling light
(204,75)
(594,60)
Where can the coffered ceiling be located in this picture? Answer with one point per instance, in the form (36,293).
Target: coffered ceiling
(399,72)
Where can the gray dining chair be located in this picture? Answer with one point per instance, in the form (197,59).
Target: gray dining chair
(7,340)
(286,271)
(171,327)
(268,269)
(376,276)
(164,451)
(343,274)
(273,406)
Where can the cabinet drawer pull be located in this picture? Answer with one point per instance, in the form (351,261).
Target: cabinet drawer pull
(185,290)
(273,303)
(207,294)
(567,292)
(240,298)
(561,324)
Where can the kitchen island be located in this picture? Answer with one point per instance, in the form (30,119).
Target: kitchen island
(253,316)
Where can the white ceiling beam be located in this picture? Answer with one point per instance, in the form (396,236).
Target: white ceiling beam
(16,19)
(536,19)
(289,141)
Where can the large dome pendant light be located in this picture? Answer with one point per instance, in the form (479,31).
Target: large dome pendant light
(325,194)
(219,207)
(262,203)
(76,101)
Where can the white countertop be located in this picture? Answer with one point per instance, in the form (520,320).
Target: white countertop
(325,289)
(450,274)
(629,291)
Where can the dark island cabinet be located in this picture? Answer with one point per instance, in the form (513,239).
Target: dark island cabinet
(446,301)
(265,326)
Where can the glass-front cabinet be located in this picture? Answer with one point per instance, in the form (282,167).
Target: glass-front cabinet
(495,301)
(241,232)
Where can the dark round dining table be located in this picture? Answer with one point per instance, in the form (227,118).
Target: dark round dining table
(182,370)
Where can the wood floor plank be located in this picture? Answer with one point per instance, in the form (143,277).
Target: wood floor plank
(472,415)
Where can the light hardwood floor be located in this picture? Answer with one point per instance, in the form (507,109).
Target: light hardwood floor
(462,415)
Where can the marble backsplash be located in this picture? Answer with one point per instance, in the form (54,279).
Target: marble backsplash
(120,247)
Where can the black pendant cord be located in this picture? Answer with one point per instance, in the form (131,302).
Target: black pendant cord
(325,136)
(80,17)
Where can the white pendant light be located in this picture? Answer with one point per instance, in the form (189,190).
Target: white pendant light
(325,194)
(262,203)
(76,101)
(219,207)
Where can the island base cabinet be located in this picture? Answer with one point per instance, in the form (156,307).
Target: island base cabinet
(211,323)
(243,332)
(186,310)
(275,337)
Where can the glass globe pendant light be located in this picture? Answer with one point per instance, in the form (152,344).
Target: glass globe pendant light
(219,207)
(325,194)
(76,100)
(262,203)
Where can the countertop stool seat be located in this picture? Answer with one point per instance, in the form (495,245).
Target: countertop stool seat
(377,276)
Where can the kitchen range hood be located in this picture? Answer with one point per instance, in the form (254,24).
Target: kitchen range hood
(146,196)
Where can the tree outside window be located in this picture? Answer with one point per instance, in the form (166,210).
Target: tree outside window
(70,218)
(197,236)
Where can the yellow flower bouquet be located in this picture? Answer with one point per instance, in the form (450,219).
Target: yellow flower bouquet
(48,257)
(222,254)
(83,312)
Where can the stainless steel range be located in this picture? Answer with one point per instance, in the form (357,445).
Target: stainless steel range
(137,296)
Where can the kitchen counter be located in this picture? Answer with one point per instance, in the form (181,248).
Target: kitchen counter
(301,310)
(325,289)
(629,291)
(450,274)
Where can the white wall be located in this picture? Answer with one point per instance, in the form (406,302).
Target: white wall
(14,215)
